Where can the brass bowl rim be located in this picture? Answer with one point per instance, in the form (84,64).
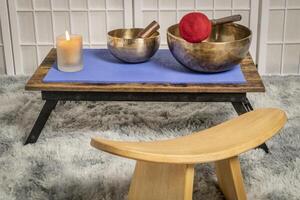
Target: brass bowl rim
(209,42)
(119,29)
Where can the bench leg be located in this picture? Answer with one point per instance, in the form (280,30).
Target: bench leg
(41,121)
(162,181)
(230,179)
(243,107)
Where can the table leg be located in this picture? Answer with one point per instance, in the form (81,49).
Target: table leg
(41,121)
(243,107)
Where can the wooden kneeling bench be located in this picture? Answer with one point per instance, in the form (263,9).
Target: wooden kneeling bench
(165,169)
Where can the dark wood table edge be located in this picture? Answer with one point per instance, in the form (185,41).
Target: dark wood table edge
(135,92)
(254,82)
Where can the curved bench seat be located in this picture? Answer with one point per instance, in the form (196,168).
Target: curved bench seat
(165,169)
(217,143)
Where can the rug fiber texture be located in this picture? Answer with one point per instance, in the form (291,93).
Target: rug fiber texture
(63,165)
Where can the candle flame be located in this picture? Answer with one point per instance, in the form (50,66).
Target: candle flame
(67,35)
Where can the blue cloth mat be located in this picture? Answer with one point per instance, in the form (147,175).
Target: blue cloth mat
(101,67)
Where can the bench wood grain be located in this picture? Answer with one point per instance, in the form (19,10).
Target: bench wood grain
(165,169)
(220,142)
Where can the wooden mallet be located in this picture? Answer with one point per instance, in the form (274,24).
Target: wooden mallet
(149,30)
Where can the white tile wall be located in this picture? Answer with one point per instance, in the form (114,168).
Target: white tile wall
(35,24)
(283,41)
(2,61)
(6,58)
(291,56)
(274,52)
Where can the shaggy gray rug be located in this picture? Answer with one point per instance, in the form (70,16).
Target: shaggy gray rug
(62,164)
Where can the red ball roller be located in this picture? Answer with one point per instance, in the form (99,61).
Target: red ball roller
(195,27)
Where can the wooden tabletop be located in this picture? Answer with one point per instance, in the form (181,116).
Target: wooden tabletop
(254,82)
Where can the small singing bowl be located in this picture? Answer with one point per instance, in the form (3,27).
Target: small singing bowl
(124,45)
(226,47)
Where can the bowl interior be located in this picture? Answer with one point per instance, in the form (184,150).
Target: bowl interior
(220,33)
(128,33)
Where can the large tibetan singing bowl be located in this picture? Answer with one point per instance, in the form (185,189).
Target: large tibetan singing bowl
(124,45)
(226,47)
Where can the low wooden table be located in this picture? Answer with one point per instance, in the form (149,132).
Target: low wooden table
(54,92)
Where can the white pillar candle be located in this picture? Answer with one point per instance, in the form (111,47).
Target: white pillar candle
(69,52)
